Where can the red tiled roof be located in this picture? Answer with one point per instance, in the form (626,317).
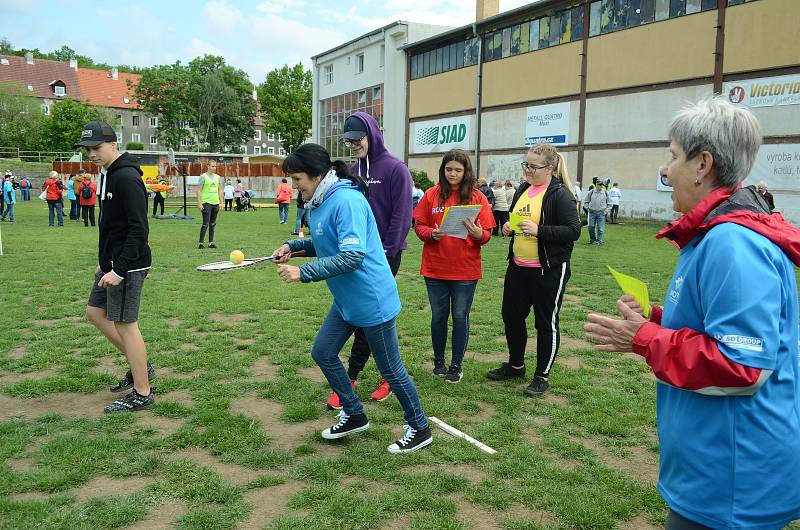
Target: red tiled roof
(39,76)
(99,88)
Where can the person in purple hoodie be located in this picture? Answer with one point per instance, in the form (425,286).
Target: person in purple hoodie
(389,197)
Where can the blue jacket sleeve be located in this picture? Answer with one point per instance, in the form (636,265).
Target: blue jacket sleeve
(306,245)
(324,268)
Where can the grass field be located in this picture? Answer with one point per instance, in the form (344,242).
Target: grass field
(233,441)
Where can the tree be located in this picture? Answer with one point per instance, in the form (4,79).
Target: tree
(221,98)
(67,118)
(134,146)
(164,92)
(285,99)
(5,47)
(22,123)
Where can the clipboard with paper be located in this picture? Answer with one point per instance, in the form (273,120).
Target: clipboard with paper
(634,287)
(454,217)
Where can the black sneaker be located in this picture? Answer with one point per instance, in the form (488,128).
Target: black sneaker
(212,245)
(439,368)
(131,403)
(200,245)
(412,440)
(506,371)
(538,386)
(347,425)
(126,383)
(454,374)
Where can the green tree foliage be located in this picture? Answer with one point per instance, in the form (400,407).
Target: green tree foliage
(221,100)
(134,146)
(420,177)
(214,98)
(63,54)
(67,118)
(285,99)
(22,123)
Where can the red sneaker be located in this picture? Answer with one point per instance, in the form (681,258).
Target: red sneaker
(333,401)
(382,392)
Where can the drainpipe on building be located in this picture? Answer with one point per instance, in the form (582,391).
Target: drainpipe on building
(478,102)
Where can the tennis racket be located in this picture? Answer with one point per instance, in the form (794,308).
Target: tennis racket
(229,265)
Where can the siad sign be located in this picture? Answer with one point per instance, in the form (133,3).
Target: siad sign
(436,136)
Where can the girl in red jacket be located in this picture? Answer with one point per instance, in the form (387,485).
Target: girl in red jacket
(451,266)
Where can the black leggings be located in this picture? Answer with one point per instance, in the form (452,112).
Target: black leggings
(158,199)
(88,214)
(359,353)
(228,205)
(210,212)
(500,218)
(678,522)
(542,289)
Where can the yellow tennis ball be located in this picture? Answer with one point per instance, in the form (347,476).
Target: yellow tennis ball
(237,256)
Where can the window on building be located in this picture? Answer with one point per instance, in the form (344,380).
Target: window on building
(257,135)
(153,140)
(119,138)
(376,93)
(359,63)
(184,124)
(270,150)
(136,137)
(327,74)
(135,120)
(505,48)
(414,66)
(662,9)
(280,137)
(59,90)
(544,32)
(184,142)
(677,8)
(270,137)
(576,15)
(382,55)
(243,149)
(257,150)
(362,97)
(45,109)
(154,121)
(282,151)
(24,109)
(515,39)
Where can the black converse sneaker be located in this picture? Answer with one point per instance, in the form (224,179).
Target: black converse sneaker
(439,368)
(131,403)
(347,425)
(412,440)
(506,371)
(538,386)
(126,383)
(454,374)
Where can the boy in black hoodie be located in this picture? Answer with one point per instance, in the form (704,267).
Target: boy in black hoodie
(124,261)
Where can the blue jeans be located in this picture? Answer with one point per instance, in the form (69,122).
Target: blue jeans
(26,194)
(9,211)
(448,296)
(283,212)
(597,217)
(385,348)
(56,207)
(302,217)
(74,210)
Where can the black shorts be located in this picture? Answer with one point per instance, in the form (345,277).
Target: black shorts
(121,302)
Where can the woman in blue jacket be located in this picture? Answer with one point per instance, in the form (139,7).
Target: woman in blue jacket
(352,262)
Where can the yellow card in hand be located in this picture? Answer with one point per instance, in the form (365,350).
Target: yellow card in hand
(515,220)
(634,287)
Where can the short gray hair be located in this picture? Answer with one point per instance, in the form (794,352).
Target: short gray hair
(53,174)
(731,134)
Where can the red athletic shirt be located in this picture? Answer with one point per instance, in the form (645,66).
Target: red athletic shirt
(450,258)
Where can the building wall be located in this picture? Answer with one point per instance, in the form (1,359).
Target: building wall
(761,35)
(671,50)
(445,93)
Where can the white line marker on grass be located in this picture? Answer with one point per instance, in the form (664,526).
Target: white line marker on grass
(449,429)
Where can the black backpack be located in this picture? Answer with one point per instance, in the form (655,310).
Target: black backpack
(86,191)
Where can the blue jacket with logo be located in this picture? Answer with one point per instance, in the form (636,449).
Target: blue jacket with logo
(351,260)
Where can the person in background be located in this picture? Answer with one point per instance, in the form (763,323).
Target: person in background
(538,264)
(209,197)
(614,195)
(238,193)
(74,204)
(283,198)
(10,198)
(87,195)
(762,189)
(500,207)
(352,261)
(389,182)
(451,266)
(484,188)
(725,345)
(54,189)
(227,194)
(597,204)
(416,195)
(301,219)
(159,197)
(25,188)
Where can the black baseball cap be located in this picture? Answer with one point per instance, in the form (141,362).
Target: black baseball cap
(354,128)
(95,133)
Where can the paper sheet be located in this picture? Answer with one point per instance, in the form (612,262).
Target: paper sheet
(515,220)
(634,287)
(453,220)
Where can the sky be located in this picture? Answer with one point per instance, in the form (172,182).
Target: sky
(253,35)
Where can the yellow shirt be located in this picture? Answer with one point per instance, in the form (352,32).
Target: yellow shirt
(529,208)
